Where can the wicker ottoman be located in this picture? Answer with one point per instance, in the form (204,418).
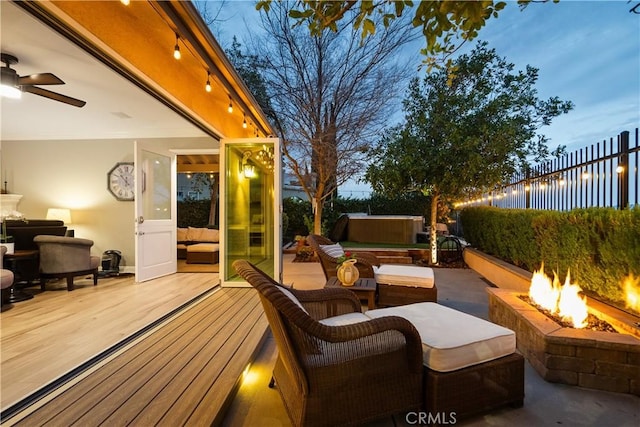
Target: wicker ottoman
(404,284)
(471,365)
(203,253)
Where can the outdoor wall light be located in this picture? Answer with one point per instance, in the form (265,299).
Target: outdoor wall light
(207,86)
(176,49)
(248,170)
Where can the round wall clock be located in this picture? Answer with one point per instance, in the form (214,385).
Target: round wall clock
(120,181)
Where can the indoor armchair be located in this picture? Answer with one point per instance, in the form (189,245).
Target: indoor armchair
(66,257)
(331,371)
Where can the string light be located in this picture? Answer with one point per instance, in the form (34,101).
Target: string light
(207,86)
(125,2)
(176,49)
(177,54)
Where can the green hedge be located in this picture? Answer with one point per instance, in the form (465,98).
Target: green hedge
(193,213)
(600,246)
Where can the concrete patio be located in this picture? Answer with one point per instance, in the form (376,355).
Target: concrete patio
(462,289)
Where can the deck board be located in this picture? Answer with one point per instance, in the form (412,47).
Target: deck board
(186,370)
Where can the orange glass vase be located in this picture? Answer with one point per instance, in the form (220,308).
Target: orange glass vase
(348,273)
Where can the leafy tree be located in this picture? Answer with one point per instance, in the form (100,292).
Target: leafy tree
(211,182)
(332,95)
(464,132)
(446,25)
(250,67)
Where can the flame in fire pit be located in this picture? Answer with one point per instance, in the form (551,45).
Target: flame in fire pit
(561,300)
(631,288)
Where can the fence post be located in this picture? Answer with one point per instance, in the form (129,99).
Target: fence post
(527,190)
(623,171)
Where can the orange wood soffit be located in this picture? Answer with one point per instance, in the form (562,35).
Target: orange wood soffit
(144,38)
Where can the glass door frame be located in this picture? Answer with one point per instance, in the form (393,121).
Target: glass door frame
(228,277)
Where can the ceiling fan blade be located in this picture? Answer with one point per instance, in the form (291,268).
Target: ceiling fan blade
(40,79)
(53,95)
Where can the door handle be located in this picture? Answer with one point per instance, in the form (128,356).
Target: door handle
(140,219)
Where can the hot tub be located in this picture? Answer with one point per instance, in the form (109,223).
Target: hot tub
(402,229)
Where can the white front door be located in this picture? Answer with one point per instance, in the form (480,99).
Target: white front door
(155,211)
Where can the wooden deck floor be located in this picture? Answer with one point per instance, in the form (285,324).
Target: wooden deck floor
(183,372)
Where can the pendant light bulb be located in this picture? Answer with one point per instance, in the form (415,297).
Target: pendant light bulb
(244,122)
(207,86)
(176,49)
(230,108)
(125,2)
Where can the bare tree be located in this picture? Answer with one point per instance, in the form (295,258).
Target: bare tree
(211,12)
(332,95)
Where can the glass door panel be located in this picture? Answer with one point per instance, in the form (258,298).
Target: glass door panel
(250,208)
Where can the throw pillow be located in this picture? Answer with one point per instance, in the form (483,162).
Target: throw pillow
(181,235)
(210,235)
(334,250)
(292,297)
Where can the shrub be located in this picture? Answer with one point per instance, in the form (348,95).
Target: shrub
(599,246)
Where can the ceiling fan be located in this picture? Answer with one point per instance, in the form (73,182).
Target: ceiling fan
(12,84)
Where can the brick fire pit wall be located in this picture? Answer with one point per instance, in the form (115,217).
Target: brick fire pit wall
(591,359)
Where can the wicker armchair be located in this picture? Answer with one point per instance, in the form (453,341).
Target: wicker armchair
(365,263)
(337,375)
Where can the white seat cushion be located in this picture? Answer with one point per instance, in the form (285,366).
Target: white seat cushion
(452,339)
(203,247)
(404,275)
(345,319)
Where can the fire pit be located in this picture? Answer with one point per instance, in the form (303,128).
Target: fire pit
(586,358)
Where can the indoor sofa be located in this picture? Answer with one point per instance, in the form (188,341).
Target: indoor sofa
(198,245)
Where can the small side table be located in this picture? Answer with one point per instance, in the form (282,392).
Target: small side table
(364,288)
(15,294)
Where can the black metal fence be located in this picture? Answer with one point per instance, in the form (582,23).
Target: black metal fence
(602,175)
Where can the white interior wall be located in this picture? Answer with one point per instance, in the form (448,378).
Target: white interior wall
(73,174)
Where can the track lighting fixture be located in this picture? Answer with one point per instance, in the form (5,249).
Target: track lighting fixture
(207,86)
(176,49)
(230,108)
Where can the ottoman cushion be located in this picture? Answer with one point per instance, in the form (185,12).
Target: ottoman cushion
(452,339)
(404,275)
(203,247)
